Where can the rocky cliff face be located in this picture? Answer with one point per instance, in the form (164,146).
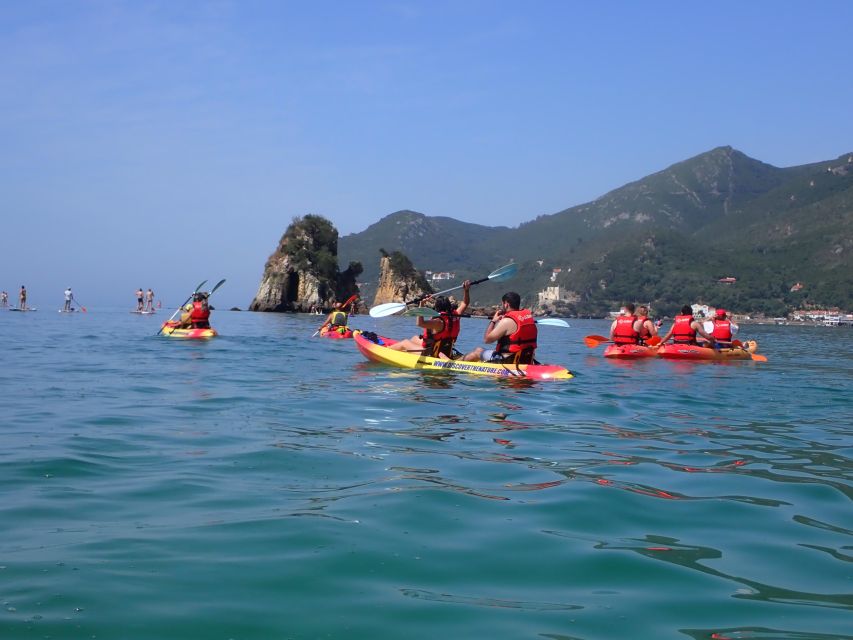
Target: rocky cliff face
(303,271)
(399,281)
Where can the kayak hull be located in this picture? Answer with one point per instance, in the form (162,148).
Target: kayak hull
(172,331)
(695,352)
(629,351)
(379,353)
(337,334)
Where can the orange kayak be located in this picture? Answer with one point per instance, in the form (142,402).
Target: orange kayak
(341,333)
(630,351)
(695,352)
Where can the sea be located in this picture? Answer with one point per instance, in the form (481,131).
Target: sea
(268,485)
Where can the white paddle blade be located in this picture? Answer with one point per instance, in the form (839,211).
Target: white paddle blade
(387,309)
(504,273)
(553,322)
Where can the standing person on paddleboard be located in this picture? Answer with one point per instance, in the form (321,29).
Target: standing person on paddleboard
(139,300)
(149,300)
(68,297)
(685,328)
(22,298)
(4,299)
(440,333)
(515,332)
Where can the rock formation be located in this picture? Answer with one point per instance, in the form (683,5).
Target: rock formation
(302,273)
(399,281)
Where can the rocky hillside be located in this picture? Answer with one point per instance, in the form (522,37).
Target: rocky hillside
(667,238)
(303,270)
(399,281)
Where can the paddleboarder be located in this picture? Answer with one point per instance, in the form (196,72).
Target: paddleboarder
(68,297)
(139,300)
(149,300)
(4,299)
(22,298)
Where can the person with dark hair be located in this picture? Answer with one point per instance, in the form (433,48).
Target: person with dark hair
(685,328)
(440,333)
(626,328)
(22,298)
(513,329)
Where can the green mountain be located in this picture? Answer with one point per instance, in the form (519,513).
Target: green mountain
(667,238)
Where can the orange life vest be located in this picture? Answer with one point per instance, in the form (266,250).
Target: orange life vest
(722,330)
(442,341)
(682,331)
(624,332)
(521,343)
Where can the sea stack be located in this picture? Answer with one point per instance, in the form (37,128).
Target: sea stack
(399,281)
(302,273)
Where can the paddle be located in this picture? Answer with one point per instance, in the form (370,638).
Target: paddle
(390,308)
(200,285)
(596,341)
(82,308)
(426,312)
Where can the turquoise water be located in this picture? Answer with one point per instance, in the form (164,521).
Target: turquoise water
(263,485)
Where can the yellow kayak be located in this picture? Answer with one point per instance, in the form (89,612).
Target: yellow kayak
(173,330)
(376,351)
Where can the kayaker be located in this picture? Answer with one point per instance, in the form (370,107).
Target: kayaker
(685,328)
(626,328)
(336,320)
(68,297)
(513,329)
(200,314)
(22,298)
(724,329)
(440,333)
(139,302)
(647,328)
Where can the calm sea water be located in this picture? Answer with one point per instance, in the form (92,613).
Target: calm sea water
(264,485)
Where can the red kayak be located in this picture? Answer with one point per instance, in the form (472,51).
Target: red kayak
(630,351)
(341,333)
(695,352)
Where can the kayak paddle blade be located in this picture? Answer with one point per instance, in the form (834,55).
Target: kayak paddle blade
(595,341)
(216,286)
(504,273)
(387,309)
(553,322)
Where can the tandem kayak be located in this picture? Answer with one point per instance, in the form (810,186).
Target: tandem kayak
(630,351)
(342,333)
(377,351)
(695,352)
(173,330)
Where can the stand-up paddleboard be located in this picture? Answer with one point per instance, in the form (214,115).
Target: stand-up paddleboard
(22,310)
(143,313)
(67,310)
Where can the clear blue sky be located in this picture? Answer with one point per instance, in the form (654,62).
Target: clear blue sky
(160,143)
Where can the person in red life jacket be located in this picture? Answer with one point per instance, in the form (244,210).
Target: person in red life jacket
(200,312)
(647,328)
(439,333)
(626,328)
(513,329)
(685,328)
(724,329)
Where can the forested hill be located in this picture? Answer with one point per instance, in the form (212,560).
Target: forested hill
(667,238)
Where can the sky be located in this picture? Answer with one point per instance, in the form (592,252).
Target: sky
(156,144)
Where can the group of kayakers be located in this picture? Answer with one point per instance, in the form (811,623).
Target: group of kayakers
(511,329)
(633,326)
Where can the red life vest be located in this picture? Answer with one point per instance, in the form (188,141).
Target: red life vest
(442,341)
(624,332)
(200,312)
(682,331)
(722,330)
(523,340)
(645,334)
